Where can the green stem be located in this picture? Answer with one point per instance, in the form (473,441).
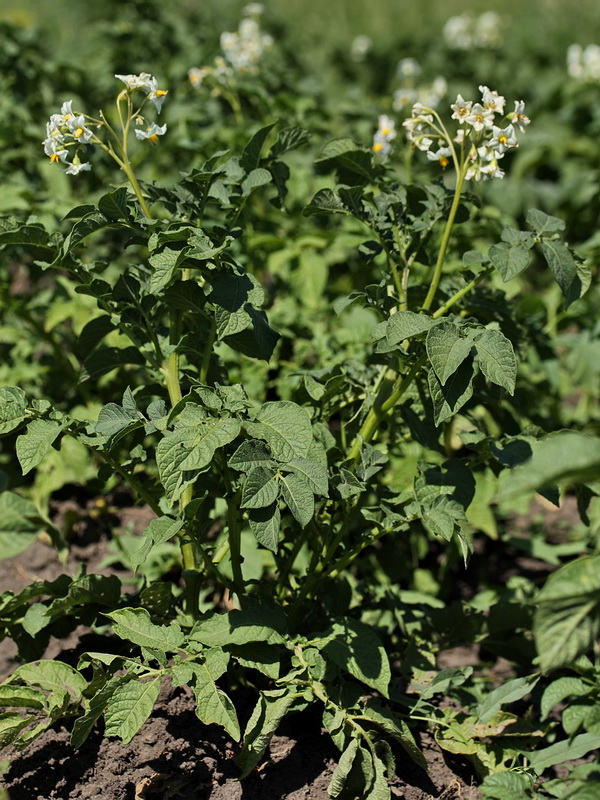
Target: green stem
(235,546)
(462,292)
(208,351)
(133,482)
(437,274)
(380,409)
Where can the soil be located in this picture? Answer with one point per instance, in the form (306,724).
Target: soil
(174,755)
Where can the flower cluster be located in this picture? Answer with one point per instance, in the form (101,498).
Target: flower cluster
(584,63)
(70,132)
(465,32)
(243,48)
(146,83)
(384,134)
(480,142)
(410,92)
(67,131)
(242,52)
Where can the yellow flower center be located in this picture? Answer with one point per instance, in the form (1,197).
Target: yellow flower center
(385,131)
(78,133)
(161,92)
(153,138)
(54,158)
(503,139)
(377,147)
(444,161)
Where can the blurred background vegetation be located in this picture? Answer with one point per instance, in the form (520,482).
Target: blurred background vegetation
(315,28)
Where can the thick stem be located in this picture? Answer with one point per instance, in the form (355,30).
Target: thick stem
(437,274)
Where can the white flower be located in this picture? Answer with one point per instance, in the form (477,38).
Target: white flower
(479,117)
(403,97)
(153,132)
(156,95)
(408,68)
(492,100)
(76,168)
(381,146)
(442,155)
(386,132)
(461,109)
(458,32)
(197,75)
(141,81)
(584,64)
(77,129)
(54,149)
(360,47)
(518,117)
(503,139)
(488,30)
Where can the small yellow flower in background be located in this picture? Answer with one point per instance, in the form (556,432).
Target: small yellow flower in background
(385,133)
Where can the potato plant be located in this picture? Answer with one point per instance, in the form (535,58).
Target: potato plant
(312,363)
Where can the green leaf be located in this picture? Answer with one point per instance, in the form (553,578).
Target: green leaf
(157,532)
(261,488)
(105,359)
(258,177)
(506,786)
(447,349)
(171,452)
(509,692)
(286,428)
(561,689)
(449,399)
(567,617)
(11,724)
(213,706)
(31,447)
(164,265)
(540,222)
(21,697)
(114,205)
(265,658)
(265,524)
(356,648)
(249,454)
(405,324)
(565,456)
(397,728)
(271,708)
(250,158)
(561,264)
(497,358)
(209,435)
(19,524)
(52,676)
(298,497)
(313,473)
(342,769)
(566,750)
(134,625)
(13,405)
(130,706)
(83,725)
(509,259)
(114,419)
(326,201)
(254,624)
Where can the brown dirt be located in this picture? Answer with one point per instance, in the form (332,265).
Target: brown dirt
(176,756)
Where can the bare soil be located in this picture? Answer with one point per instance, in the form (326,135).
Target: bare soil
(175,755)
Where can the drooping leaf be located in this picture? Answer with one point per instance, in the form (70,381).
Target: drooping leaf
(342,769)
(356,648)
(497,358)
(261,488)
(134,625)
(298,497)
(509,259)
(561,264)
(447,349)
(405,324)
(567,617)
(13,404)
(130,706)
(448,399)
(31,447)
(559,690)
(253,624)
(565,456)
(286,428)
(265,524)
(272,706)
(157,532)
